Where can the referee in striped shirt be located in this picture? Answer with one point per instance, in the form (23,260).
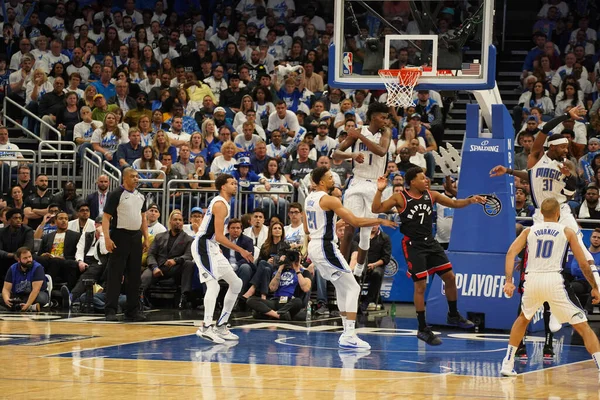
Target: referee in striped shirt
(124,224)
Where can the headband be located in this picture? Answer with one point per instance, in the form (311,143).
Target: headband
(557,142)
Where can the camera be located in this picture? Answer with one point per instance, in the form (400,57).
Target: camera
(16,304)
(292,256)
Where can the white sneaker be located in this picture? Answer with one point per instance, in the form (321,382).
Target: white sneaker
(508,370)
(224,333)
(554,325)
(209,333)
(352,341)
(358,269)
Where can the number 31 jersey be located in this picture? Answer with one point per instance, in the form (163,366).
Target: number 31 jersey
(546,181)
(416,220)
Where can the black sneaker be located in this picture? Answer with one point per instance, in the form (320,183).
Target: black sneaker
(66,297)
(460,321)
(285,316)
(322,309)
(111,316)
(429,337)
(135,317)
(548,352)
(521,353)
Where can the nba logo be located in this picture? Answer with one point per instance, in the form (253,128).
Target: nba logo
(347,64)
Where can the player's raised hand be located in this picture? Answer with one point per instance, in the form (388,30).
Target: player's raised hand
(498,170)
(577,113)
(509,289)
(381,183)
(478,199)
(388,223)
(595,296)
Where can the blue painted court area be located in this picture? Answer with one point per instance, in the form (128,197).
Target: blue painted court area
(463,354)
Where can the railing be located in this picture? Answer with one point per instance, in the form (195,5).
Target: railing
(92,169)
(113,173)
(5,118)
(146,187)
(247,200)
(186,198)
(57,160)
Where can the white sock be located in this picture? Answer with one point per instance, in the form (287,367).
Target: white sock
(596,358)
(509,359)
(344,318)
(350,324)
(358,269)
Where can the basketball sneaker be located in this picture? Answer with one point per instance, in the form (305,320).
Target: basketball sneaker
(548,352)
(521,353)
(429,337)
(225,334)
(459,321)
(209,333)
(508,370)
(351,341)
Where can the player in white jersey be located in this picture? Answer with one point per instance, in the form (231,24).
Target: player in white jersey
(212,264)
(547,245)
(369,155)
(320,215)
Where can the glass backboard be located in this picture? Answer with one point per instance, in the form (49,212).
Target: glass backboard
(452,44)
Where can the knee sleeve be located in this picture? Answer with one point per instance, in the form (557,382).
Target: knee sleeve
(365,238)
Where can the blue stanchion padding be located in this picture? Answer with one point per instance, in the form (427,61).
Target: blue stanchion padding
(480,290)
(482,234)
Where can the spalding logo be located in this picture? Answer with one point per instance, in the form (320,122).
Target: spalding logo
(391,269)
(492,205)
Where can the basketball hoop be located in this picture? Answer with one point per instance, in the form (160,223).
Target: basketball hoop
(400,84)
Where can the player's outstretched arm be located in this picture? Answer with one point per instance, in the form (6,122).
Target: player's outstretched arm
(583,263)
(509,263)
(500,170)
(220,213)
(457,203)
(380,207)
(575,113)
(334,204)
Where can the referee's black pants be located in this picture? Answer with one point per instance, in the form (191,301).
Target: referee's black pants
(126,259)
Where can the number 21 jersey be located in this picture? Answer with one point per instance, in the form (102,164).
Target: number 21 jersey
(416,217)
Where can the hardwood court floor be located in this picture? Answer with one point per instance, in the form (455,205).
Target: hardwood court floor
(59,359)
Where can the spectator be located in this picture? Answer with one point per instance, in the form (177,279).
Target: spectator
(378,257)
(54,57)
(122,98)
(295,170)
(283,120)
(12,237)
(7,167)
(571,99)
(36,204)
(263,104)
(275,149)
(83,131)
(324,144)
(224,163)
(50,105)
(258,232)
(242,268)
(177,135)
(196,216)
(184,166)
(273,204)
(526,139)
(106,140)
(57,252)
(590,207)
(405,163)
(131,150)
(68,200)
(103,85)
(170,256)
(248,140)
(294,232)
(162,145)
(67,117)
(83,223)
(25,280)
(24,180)
(152,216)
(133,116)
(580,285)
(101,108)
(522,206)
(217,83)
(97,200)
(539,39)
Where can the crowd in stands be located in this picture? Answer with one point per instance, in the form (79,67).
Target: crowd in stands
(562,71)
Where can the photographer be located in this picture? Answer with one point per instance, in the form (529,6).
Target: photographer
(285,283)
(25,283)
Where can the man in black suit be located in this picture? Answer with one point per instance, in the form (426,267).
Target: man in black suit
(170,256)
(97,200)
(14,235)
(57,252)
(68,199)
(91,250)
(242,268)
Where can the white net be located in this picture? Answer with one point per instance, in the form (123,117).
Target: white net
(400,85)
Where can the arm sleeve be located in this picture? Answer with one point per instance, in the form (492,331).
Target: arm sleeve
(553,123)
(570,185)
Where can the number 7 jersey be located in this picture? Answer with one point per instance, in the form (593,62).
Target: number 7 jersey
(416,218)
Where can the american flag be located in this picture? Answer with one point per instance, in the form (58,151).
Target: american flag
(470,69)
